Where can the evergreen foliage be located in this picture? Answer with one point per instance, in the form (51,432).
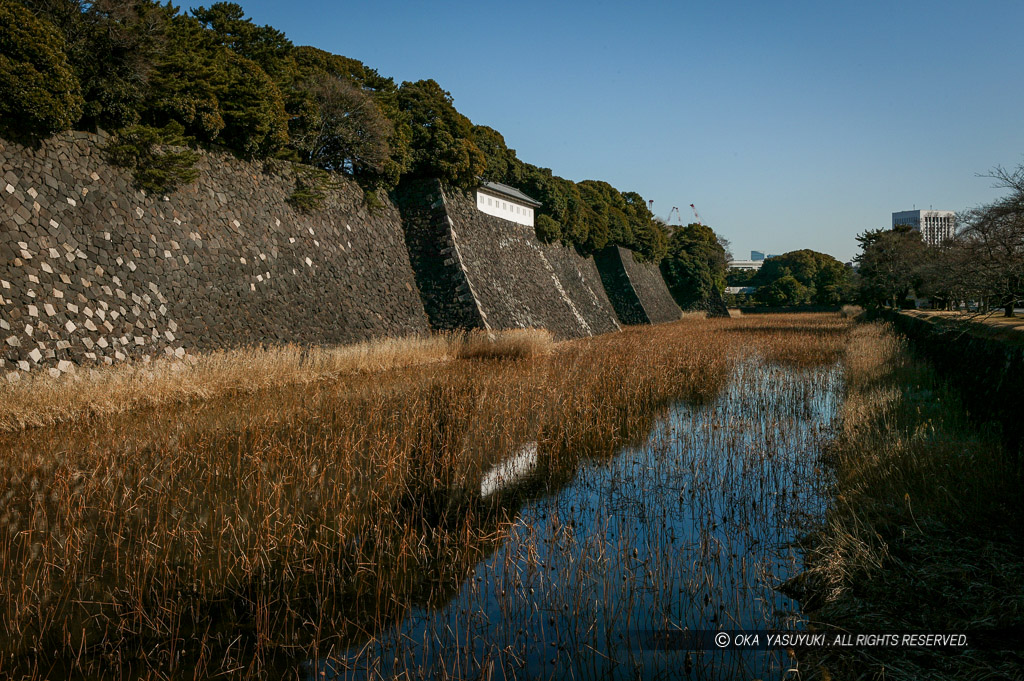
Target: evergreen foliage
(311,187)
(803,277)
(39,94)
(442,144)
(694,268)
(889,264)
(158,157)
(146,68)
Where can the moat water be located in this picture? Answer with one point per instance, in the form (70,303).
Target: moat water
(629,565)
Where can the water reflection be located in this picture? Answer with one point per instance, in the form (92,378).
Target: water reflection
(397,524)
(688,530)
(510,470)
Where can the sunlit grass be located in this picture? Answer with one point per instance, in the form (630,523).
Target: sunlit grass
(38,399)
(286,503)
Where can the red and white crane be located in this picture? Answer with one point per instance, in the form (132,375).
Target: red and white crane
(696,214)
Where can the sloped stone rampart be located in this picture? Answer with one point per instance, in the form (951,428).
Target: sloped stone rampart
(649,286)
(93,270)
(501,275)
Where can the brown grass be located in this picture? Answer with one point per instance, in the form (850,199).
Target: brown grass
(924,532)
(511,344)
(38,399)
(269,510)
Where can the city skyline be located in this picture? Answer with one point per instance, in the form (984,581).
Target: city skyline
(769,120)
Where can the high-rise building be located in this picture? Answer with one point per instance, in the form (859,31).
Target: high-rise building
(935,225)
(756,255)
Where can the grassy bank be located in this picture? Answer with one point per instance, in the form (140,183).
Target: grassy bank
(235,536)
(39,399)
(925,531)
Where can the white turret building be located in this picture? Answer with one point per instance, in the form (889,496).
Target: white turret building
(506,202)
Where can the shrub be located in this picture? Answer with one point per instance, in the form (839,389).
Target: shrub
(39,94)
(548,230)
(157,157)
(311,185)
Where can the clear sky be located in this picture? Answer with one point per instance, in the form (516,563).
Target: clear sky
(789,124)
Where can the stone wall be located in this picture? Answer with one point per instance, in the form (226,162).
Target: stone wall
(93,270)
(445,289)
(479,270)
(986,371)
(637,290)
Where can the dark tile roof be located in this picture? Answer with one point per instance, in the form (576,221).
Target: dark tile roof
(510,192)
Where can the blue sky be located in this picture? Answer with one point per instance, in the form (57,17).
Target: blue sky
(789,124)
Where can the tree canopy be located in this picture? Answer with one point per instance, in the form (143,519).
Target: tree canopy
(803,277)
(212,77)
(694,267)
(888,264)
(39,94)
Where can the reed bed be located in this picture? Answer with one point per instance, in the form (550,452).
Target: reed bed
(924,533)
(39,399)
(240,531)
(511,344)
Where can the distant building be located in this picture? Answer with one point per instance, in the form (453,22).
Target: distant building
(756,255)
(935,225)
(745,264)
(506,202)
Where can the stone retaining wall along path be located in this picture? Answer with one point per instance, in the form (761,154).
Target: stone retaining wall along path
(94,271)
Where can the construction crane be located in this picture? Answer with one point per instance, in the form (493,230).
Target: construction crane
(675,209)
(696,214)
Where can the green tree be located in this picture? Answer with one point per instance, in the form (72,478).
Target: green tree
(502,164)
(889,264)
(39,93)
(345,116)
(187,82)
(112,45)
(255,120)
(826,280)
(786,290)
(158,157)
(695,266)
(547,228)
(441,142)
(263,45)
(215,93)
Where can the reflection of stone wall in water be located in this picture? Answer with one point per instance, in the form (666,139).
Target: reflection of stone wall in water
(478,270)
(93,270)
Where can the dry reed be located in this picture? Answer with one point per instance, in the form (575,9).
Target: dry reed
(924,532)
(511,344)
(229,536)
(38,399)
